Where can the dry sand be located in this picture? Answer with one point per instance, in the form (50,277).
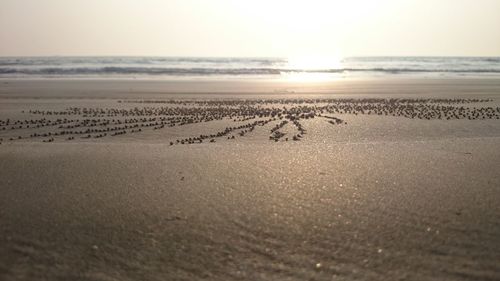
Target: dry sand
(378,198)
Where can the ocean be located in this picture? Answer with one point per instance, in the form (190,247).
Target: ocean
(241,68)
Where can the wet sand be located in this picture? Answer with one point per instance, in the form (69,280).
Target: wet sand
(375,197)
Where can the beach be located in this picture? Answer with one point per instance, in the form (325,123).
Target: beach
(368,179)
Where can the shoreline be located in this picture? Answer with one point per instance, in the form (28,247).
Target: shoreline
(245,88)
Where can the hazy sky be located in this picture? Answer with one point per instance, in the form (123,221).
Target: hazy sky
(250,28)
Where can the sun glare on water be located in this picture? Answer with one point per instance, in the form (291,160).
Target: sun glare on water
(314,62)
(312,68)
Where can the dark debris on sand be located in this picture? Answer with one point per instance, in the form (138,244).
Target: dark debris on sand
(96,123)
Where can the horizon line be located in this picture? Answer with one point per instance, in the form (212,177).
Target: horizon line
(248,57)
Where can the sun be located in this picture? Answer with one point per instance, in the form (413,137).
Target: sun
(314,62)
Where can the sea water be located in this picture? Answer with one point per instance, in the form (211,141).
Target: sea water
(241,68)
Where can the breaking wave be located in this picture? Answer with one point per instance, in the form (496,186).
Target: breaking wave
(47,67)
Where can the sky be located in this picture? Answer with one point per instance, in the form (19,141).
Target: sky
(257,28)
